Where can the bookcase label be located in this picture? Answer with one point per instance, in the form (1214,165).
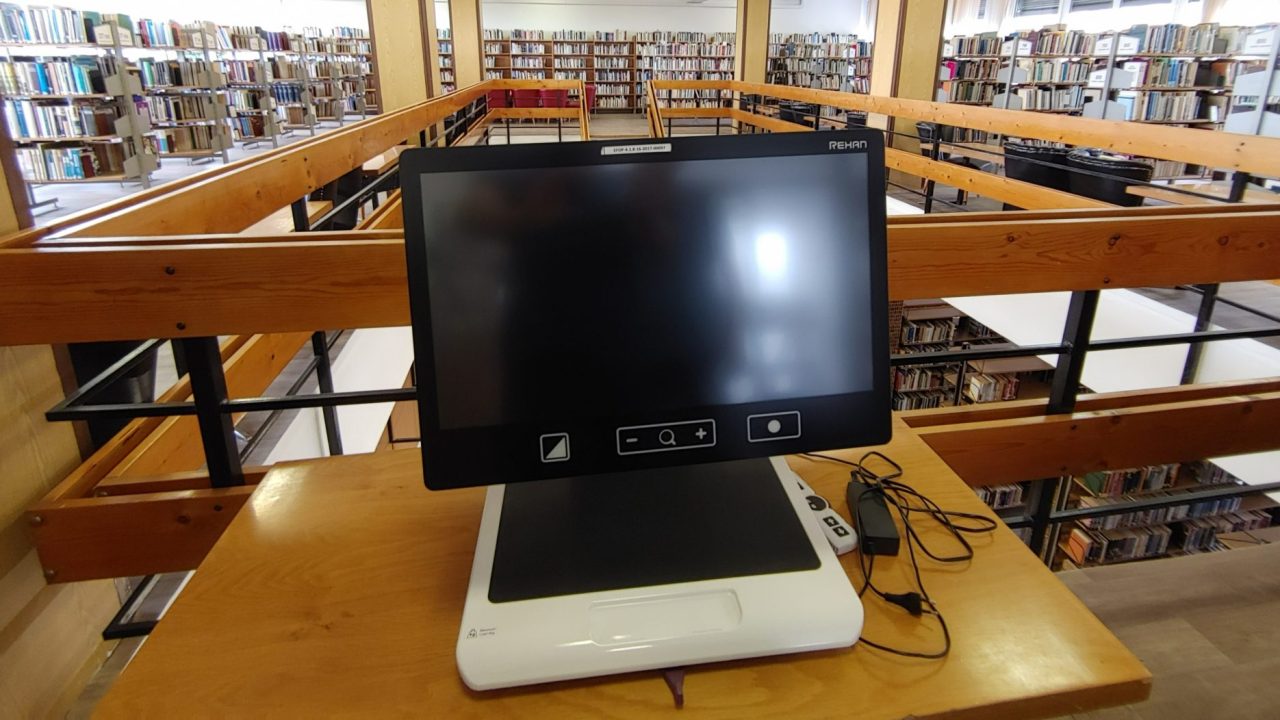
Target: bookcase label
(636,149)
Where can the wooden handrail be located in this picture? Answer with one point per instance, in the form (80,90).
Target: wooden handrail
(1231,151)
(287,284)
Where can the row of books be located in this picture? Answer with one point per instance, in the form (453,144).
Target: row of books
(1116,483)
(820,81)
(337,67)
(921,401)
(181,108)
(1201,534)
(928,331)
(530,48)
(1002,497)
(570,49)
(913,378)
(991,387)
(190,139)
(1047,98)
(828,44)
(843,68)
(611,63)
(1204,39)
(613,49)
(686,49)
(180,73)
(1086,546)
(1058,70)
(78,75)
(1165,106)
(288,93)
(28,120)
(971,69)
(45,164)
(970,91)
(50,25)
(1156,516)
(240,99)
(1167,72)
(678,63)
(849,52)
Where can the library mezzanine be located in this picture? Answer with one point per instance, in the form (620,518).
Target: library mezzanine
(796,347)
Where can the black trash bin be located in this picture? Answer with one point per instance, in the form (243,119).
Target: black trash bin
(1120,174)
(138,384)
(798,112)
(1038,164)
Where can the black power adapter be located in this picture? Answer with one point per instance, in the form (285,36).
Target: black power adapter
(877,535)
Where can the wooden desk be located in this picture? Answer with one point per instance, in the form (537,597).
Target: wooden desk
(338,589)
(281,221)
(383,163)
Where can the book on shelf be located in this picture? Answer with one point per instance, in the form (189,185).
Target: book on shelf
(52,164)
(42,25)
(77,75)
(32,120)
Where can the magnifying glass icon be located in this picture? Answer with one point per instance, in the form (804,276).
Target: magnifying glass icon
(667,437)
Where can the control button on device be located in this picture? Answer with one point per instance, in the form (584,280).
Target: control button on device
(773,426)
(666,437)
(555,447)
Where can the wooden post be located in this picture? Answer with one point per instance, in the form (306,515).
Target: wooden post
(468,41)
(752,41)
(904,63)
(401,52)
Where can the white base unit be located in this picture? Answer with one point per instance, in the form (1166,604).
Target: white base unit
(548,639)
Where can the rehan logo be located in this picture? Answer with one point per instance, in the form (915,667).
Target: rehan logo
(847,145)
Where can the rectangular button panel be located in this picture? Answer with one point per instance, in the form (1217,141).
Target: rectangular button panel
(666,437)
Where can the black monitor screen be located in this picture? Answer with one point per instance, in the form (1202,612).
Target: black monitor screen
(601,303)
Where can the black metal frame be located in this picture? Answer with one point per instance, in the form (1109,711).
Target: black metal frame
(202,362)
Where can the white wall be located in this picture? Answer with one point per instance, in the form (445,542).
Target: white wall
(268,14)
(1185,12)
(857,17)
(838,16)
(605,16)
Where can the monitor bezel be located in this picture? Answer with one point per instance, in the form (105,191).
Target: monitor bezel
(469,457)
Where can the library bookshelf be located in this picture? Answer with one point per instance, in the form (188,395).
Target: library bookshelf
(444,55)
(820,61)
(1172,75)
(618,64)
(933,325)
(69,79)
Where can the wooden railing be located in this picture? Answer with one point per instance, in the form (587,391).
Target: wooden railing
(172,266)
(1224,151)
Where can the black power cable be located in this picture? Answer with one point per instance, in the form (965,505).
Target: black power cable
(882,481)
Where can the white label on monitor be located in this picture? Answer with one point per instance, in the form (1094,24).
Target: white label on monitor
(636,149)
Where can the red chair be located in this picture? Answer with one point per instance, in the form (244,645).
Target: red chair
(497,99)
(591,97)
(554,98)
(527,98)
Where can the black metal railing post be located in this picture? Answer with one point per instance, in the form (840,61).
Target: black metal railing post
(934,153)
(1066,377)
(301,221)
(209,391)
(324,378)
(1204,317)
(1239,183)
(1042,515)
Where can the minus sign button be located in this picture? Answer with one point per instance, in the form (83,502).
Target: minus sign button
(631,440)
